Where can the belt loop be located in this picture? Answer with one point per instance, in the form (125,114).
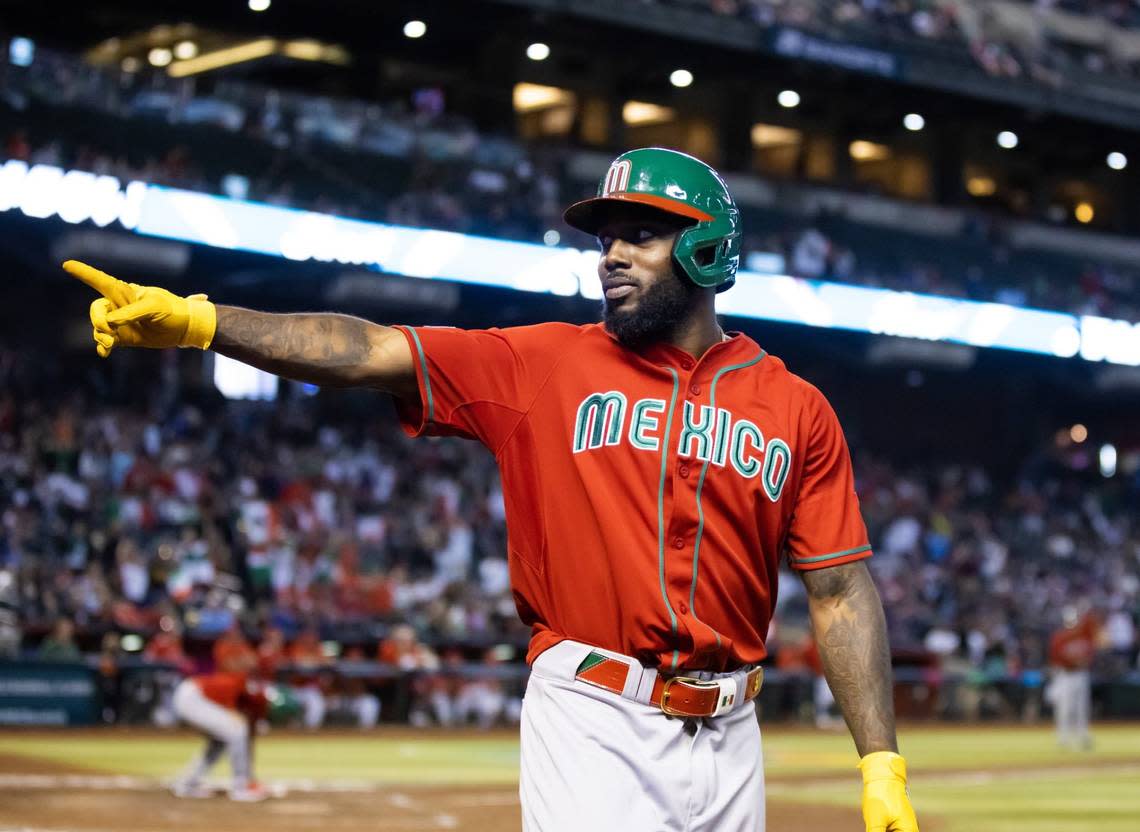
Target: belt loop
(632,680)
(741,679)
(644,690)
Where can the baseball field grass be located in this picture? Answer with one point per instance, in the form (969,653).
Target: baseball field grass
(963,779)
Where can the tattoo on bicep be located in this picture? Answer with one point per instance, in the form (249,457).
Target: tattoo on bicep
(828,583)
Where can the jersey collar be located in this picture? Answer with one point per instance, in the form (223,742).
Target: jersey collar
(735,348)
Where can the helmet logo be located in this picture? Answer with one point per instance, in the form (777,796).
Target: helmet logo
(676,191)
(617,177)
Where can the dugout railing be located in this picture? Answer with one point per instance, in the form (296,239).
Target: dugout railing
(133,692)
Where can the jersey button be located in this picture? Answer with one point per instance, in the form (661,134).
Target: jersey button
(684,472)
(678,543)
(683,608)
(687,363)
(695,389)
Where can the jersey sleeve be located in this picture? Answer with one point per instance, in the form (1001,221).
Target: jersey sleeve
(477,384)
(826,528)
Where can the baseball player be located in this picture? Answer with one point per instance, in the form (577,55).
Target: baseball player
(223,706)
(1072,649)
(655,471)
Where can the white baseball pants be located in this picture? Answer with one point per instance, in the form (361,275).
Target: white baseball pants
(226,730)
(592,759)
(1072,692)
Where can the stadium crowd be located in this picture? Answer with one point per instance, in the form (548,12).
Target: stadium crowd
(433,169)
(1038,40)
(311,521)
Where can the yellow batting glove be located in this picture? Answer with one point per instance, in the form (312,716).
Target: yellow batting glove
(144,316)
(886,804)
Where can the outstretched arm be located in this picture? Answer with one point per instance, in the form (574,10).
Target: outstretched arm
(851,633)
(321,348)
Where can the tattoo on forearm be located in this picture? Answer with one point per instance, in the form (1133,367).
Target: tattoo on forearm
(851,632)
(327,349)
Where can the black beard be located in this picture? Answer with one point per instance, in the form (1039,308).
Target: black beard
(661,309)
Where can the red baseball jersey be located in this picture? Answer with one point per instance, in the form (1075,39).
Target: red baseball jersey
(650,495)
(223,688)
(1073,648)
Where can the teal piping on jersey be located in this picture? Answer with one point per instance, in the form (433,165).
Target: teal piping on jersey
(661,508)
(857,550)
(424,370)
(701,485)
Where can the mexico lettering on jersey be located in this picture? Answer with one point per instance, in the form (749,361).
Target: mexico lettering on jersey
(713,437)
(650,495)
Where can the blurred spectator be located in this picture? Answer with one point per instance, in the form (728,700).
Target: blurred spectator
(271,653)
(404,650)
(307,660)
(111,676)
(233,653)
(165,649)
(60,645)
(458,699)
(11,635)
(353,696)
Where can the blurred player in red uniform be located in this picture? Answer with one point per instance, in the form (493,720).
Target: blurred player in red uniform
(1071,652)
(224,706)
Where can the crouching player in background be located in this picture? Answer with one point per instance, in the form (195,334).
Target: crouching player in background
(225,706)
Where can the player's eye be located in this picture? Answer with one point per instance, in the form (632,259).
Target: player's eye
(604,243)
(644,234)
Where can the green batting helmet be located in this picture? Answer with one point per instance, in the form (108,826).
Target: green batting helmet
(708,251)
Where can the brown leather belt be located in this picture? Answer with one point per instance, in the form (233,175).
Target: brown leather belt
(675,695)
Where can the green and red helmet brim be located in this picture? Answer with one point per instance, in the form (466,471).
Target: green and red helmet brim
(589,214)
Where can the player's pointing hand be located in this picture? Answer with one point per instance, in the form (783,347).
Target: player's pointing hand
(143,316)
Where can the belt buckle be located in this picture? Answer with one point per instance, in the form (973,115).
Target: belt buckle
(665,706)
(725,700)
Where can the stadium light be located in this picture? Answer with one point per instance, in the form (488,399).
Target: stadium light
(159,56)
(1107,460)
(219,58)
(1078,433)
(788,98)
(637,113)
(981,186)
(415,29)
(680,78)
(185,50)
(538,51)
(1007,139)
(913,122)
(530,97)
(862,150)
(1117,160)
(21,51)
(258,5)
(1084,212)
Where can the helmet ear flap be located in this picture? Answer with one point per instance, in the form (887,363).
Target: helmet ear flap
(706,255)
(709,252)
